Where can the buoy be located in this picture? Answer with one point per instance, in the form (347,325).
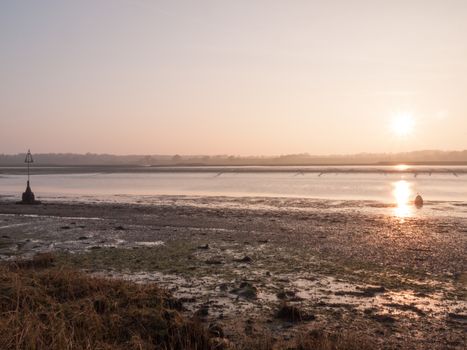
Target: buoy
(418,201)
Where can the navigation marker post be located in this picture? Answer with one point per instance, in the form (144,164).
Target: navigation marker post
(29,161)
(28,195)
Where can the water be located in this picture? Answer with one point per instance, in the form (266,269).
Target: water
(396,186)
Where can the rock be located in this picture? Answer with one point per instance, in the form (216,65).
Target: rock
(82,238)
(372,291)
(285,295)
(173,303)
(405,307)
(246,290)
(223,287)
(65,227)
(293,314)
(213,262)
(187,300)
(204,246)
(458,317)
(248,329)
(368,292)
(245,259)
(203,311)
(384,318)
(120,228)
(418,201)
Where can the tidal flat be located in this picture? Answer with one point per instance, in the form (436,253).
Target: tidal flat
(401,282)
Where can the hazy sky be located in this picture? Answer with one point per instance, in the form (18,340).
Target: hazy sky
(232,77)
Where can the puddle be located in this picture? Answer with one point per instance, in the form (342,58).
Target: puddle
(149,244)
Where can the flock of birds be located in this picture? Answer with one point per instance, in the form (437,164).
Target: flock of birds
(321,172)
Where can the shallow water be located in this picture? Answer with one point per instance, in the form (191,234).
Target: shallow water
(445,190)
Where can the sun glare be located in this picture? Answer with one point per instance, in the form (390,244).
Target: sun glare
(403,124)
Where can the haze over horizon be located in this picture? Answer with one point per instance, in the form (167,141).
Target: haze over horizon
(242,78)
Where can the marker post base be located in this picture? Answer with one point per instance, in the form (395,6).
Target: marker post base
(28,197)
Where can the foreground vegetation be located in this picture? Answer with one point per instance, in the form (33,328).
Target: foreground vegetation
(50,308)
(44,306)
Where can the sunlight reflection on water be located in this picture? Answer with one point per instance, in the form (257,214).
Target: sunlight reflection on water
(403,194)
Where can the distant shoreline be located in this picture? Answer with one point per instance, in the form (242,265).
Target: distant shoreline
(460,168)
(240,165)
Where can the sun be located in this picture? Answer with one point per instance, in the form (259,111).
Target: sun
(403,124)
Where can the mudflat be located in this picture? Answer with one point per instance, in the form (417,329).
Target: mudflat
(401,282)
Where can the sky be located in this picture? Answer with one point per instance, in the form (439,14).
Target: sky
(239,77)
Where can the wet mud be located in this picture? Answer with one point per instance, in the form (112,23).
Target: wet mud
(400,281)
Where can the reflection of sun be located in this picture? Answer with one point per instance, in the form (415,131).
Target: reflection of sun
(402,167)
(403,124)
(402,194)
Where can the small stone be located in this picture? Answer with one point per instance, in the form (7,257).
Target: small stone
(223,287)
(246,290)
(245,259)
(384,319)
(285,294)
(203,311)
(293,314)
(213,262)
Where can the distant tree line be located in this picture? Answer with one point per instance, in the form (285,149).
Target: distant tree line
(90,159)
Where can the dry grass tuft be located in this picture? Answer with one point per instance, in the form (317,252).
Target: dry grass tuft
(319,340)
(313,340)
(42,307)
(39,261)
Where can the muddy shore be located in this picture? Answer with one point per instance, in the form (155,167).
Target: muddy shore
(400,281)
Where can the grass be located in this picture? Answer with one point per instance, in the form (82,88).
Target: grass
(174,257)
(44,305)
(313,340)
(293,314)
(321,341)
